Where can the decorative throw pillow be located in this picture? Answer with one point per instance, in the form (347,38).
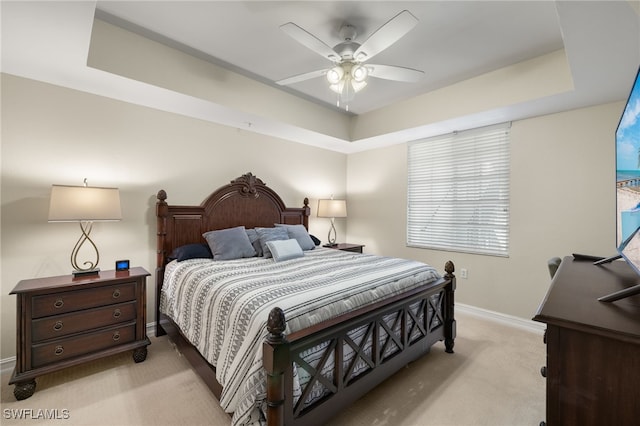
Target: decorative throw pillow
(255,241)
(315,240)
(299,232)
(285,249)
(191,251)
(230,243)
(270,234)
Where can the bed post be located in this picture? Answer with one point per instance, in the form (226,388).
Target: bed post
(162,211)
(450,322)
(307,213)
(275,362)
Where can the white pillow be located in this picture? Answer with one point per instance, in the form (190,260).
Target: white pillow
(285,249)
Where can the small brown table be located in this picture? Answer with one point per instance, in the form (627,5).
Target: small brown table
(64,321)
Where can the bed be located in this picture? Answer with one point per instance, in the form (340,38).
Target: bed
(304,356)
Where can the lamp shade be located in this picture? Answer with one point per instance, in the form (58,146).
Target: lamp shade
(84,203)
(332,208)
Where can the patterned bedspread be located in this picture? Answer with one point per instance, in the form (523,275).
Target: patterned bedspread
(222,307)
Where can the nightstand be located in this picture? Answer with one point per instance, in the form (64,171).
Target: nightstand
(64,321)
(356,248)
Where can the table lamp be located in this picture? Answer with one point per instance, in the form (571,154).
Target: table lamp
(332,209)
(85,205)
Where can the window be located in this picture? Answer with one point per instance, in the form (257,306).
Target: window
(458,192)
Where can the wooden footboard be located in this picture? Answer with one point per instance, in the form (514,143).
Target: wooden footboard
(396,333)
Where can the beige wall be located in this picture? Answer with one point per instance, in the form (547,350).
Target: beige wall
(55,135)
(562,194)
(562,202)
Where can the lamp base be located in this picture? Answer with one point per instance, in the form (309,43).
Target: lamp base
(78,273)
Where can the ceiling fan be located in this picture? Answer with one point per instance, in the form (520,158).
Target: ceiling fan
(349,71)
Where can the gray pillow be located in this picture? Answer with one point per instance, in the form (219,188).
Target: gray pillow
(270,234)
(255,241)
(230,243)
(299,232)
(285,249)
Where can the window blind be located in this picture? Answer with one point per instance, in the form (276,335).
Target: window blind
(458,192)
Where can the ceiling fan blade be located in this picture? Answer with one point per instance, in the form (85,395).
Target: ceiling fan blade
(302,77)
(386,35)
(392,72)
(307,39)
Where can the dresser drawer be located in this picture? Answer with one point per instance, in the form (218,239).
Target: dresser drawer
(69,301)
(65,324)
(70,347)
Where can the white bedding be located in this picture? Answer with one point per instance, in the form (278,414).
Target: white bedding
(221,307)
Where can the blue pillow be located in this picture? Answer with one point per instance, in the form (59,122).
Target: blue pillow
(229,244)
(270,234)
(191,251)
(255,241)
(299,232)
(285,249)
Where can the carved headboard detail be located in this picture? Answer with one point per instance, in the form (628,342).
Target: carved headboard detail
(246,200)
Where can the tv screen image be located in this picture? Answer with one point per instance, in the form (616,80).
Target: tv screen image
(628,166)
(628,186)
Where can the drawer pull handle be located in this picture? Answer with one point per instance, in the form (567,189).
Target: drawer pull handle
(58,351)
(116,336)
(57,326)
(116,293)
(117,313)
(58,304)
(543,371)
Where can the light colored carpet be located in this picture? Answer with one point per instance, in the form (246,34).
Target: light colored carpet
(492,379)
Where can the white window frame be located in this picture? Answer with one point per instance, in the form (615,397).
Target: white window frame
(458,191)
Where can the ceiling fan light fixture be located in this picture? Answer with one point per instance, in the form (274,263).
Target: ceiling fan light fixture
(358,85)
(338,87)
(335,75)
(347,94)
(359,73)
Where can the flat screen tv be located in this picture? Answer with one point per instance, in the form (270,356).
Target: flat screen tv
(628,186)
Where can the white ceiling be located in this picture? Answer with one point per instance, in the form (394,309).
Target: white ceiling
(453,41)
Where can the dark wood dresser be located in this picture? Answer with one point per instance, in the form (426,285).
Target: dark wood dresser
(64,321)
(593,347)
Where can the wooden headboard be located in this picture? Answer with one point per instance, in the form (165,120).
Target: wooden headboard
(245,201)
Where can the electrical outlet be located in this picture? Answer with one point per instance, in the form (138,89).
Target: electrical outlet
(463,273)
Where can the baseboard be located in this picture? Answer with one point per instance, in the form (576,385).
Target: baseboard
(9,363)
(510,320)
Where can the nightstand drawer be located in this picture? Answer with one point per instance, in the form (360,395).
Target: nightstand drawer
(69,301)
(65,324)
(80,345)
